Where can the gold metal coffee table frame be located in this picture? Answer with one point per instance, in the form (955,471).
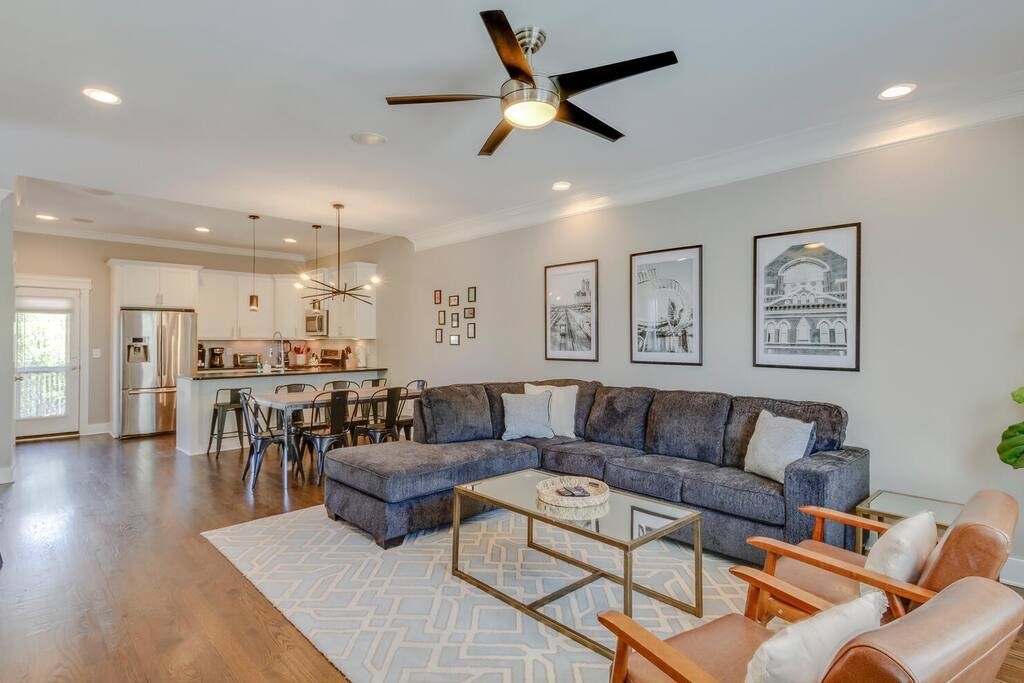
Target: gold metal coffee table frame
(626,580)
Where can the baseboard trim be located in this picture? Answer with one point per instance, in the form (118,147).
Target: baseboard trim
(95,428)
(7,475)
(1013,572)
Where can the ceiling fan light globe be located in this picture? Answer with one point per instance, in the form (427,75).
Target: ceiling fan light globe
(528,114)
(524,106)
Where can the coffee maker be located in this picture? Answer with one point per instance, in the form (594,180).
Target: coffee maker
(201,364)
(216,357)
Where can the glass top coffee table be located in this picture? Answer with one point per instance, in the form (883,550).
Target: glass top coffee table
(626,522)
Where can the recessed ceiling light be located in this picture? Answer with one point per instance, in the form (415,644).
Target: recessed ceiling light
(101,96)
(200,228)
(83,220)
(894,92)
(368,138)
(290,240)
(561,185)
(814,245)
(45,217)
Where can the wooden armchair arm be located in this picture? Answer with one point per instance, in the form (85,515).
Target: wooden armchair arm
(821,514)
(762,581)
(891,587)
(632,635)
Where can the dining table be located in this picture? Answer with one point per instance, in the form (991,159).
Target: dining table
(287,403)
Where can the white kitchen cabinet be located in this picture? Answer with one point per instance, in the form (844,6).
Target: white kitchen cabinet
(179,287)
(352,319)
(218,308)
(257,324)
(142,284)
(289,307)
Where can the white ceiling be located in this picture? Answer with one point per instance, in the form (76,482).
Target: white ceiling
(250,106)
(99,214)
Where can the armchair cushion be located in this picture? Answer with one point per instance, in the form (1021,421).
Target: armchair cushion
(688,424)
(829,423)
(459,412)
(619,416)
(823,583)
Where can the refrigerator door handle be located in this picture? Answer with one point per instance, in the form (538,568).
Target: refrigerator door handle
(143,392)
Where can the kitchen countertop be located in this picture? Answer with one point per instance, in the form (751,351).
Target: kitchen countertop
(228,373)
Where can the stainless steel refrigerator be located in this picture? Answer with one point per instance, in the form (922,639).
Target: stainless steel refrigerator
(156,347)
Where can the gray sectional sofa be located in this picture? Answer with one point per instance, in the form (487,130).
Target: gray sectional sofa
(685,447)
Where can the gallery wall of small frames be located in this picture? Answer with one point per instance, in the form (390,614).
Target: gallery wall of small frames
(450,319)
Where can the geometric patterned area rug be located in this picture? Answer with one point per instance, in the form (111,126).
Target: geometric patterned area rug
(399,615)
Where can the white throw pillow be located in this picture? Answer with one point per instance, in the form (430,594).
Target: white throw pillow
(527,416)
(802,652)
(776,442)
(902,551)
(563,407)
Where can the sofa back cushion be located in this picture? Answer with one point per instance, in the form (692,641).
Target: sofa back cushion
(829,423)
(494,391)
(619,416)
(458,412)
(584,398)
(688,424)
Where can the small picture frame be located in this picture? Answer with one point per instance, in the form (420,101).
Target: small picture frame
(453,300)
(454,340)
(470,330)
(469,313)
(437,297)
(438,336)
(471,295)
(454,318)
(442,317)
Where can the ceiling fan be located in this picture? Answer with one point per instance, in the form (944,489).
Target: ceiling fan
(531,100)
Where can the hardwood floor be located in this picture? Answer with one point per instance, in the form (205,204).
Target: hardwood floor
(106,577)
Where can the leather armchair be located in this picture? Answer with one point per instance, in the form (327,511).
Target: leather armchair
(963,634)
(977,543)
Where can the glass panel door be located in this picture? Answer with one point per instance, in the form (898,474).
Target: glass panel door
(46,363)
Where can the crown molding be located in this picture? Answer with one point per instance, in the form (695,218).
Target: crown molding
(101,236)
(1000,99)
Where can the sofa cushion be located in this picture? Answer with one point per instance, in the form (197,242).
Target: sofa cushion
(739,493)
(458,412)
(688,424)
(583,458)
(619,416)
(400,470)
(829,423)
(494,390)
(584,398)
(541,444)
(658,476)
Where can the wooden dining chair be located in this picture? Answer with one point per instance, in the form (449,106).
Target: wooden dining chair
(405,420)
(392,400)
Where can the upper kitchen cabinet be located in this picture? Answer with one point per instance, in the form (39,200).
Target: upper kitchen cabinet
(258,324)
(351,319)
(289,307)
(223,309)
(141,284)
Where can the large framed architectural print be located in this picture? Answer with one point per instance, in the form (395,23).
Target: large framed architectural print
(570,311)
(807,298)
(665,306)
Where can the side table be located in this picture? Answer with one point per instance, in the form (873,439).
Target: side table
(890,507)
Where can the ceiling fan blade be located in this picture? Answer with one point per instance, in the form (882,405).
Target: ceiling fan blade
(507,45)
(497,136)
(575,82)
(430,99)
(574,116)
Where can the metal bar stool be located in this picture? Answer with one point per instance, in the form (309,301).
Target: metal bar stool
(405,421)
(224,402)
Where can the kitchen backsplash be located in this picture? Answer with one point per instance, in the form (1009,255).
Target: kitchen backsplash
(232,346)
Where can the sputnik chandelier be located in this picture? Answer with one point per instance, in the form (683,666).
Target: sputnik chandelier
(325,291)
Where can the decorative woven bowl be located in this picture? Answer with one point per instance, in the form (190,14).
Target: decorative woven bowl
(547,491)
(574,514)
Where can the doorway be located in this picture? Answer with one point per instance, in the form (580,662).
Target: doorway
(47,363)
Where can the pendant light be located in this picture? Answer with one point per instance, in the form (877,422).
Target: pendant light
(254,299)
(316,258)
(325,291)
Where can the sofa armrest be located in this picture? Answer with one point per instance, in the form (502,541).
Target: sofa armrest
(837,480)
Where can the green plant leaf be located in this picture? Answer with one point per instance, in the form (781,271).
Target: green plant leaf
(1018,395)
(1011,448)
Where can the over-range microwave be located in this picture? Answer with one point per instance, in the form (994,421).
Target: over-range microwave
(316,323)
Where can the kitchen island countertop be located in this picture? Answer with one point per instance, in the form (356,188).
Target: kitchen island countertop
(230,373)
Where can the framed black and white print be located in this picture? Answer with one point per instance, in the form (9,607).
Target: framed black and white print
(453,300)
(570,311)
(471,295)
(437,297)
(441,317)
(438,336)
(469,313)
(807,298)
(454,340)
(666,306)
(470,330)
(454,318)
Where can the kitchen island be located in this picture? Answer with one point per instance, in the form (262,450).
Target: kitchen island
(197,393)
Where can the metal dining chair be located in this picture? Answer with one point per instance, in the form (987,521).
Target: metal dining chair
(338,407)
(298,416)
(227,401)
(261,437)
(405,421)
(393,401)
(375,382)
(340,385)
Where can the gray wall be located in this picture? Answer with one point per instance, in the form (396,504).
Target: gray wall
(6,340)
(942,320)
(50,255)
